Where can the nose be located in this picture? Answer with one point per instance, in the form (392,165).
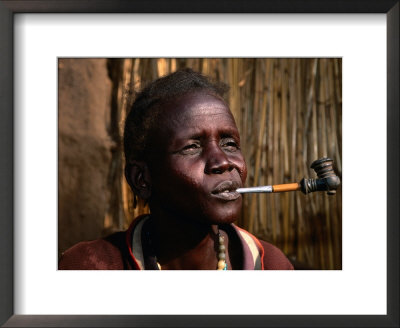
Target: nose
(217,161)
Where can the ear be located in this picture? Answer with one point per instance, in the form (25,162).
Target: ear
(138,177)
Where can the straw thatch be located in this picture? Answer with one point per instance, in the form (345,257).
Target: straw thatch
(288,112)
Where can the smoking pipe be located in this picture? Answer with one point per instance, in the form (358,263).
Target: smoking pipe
(327,181)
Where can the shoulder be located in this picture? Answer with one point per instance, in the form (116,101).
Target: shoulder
(274,259)
(100,254)
(264,254)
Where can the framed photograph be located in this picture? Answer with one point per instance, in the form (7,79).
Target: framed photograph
(362,35)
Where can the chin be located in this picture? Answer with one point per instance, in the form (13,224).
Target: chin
(225,215)
(226,220)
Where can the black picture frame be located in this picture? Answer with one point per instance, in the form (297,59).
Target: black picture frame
(7,11)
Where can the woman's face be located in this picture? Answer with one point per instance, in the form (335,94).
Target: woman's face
(196,161)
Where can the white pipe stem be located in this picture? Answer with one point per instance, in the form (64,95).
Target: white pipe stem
(255,189)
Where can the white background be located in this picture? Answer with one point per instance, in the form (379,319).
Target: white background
(360,288)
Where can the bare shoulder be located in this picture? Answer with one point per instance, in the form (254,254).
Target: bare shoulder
(274,259)
(98,254)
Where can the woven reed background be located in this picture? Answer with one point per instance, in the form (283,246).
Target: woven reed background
(288,112)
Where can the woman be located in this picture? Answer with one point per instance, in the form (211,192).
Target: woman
(183,156)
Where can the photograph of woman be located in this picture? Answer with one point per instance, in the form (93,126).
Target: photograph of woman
(184,162)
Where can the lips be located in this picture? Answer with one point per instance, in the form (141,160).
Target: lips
(226,190)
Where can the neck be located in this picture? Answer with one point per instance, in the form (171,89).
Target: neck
(182,243)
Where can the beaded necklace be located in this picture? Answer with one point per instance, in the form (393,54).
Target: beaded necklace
(221,253)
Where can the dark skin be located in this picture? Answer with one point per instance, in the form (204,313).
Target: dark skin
(189,180)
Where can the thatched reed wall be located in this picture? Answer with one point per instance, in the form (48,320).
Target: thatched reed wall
(288,112)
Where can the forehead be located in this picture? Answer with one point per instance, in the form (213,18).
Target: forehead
(197,110)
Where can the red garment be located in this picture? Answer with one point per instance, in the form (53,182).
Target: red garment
(125,251)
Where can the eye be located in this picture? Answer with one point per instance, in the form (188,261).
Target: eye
(190,149)
(230,144)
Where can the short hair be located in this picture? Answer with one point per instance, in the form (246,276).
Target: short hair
(143,114)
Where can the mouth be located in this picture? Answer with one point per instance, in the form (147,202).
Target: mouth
(226,190)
